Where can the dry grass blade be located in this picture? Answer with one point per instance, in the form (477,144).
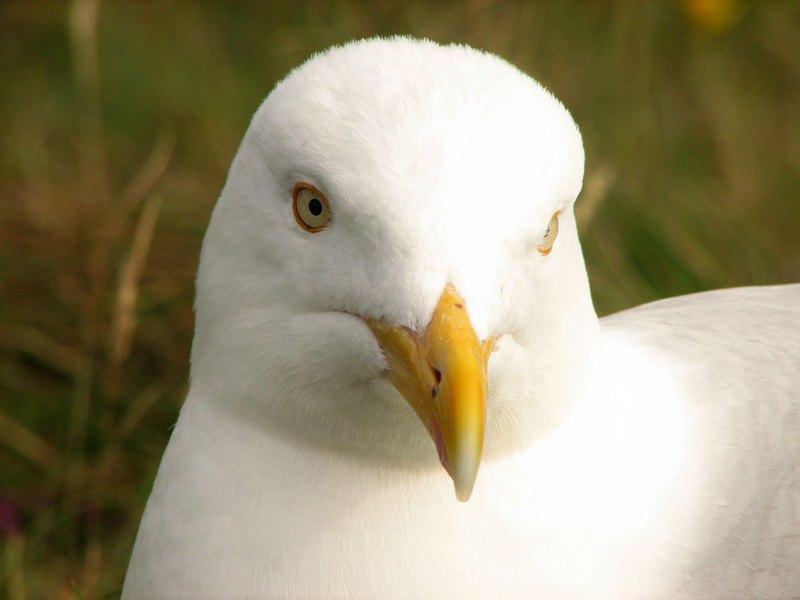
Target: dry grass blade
(147,177)
(13,566)
(138,409)
(43,348)
(26,443)
(124,317)
(595,191)
(83,25)
(83,34)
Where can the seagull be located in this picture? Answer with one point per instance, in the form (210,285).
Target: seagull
(400,387)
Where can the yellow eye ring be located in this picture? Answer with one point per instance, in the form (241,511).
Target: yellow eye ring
(550,235)
(311,208)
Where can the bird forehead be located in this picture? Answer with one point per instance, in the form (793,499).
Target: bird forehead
(415,118)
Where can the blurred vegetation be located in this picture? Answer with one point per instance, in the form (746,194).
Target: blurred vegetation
(118,121)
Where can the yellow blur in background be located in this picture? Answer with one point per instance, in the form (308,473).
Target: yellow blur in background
(118,121)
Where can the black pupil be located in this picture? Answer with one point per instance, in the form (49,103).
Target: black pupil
(315,207)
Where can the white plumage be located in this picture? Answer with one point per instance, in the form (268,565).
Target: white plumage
(651,454)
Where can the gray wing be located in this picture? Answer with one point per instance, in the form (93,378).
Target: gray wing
(739,351)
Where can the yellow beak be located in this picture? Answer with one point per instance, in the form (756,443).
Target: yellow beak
(442,374)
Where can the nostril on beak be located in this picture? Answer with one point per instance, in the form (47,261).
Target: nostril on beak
(435,389)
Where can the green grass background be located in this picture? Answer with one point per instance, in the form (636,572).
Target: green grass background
(118,121)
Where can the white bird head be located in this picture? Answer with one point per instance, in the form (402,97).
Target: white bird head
(375,179)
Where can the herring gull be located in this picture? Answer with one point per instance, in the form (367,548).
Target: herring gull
(392,282)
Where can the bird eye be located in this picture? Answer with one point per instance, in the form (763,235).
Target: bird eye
(550,235)
(311,208)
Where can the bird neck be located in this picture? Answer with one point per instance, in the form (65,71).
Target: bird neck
(540,376)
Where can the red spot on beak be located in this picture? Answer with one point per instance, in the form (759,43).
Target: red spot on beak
(436,433)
